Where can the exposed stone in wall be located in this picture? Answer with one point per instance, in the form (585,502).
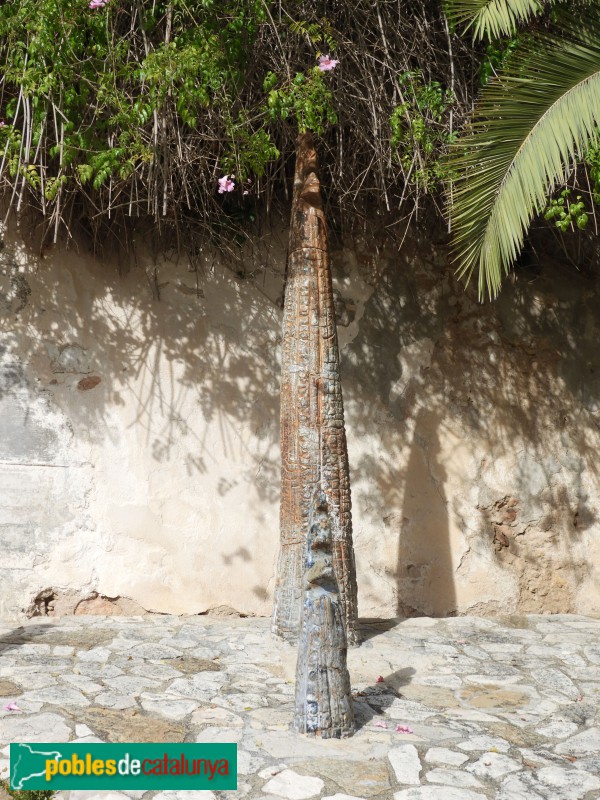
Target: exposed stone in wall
(59,603)
(223,611)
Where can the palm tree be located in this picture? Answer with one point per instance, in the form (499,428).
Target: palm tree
(529,128)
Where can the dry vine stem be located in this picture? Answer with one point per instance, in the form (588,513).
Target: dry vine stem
(376,44)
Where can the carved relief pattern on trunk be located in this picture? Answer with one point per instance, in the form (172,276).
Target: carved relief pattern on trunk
(323,694)
(313,438)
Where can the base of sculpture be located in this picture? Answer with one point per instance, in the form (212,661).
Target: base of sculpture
(323,695)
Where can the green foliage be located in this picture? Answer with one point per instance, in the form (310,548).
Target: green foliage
(94,96)
(419,133)
(531,124)
(565,213)
(250,153)
(592,160)
(307,99)
(497,57)
(493,19)
(315,32)
(39,794)
(139,108)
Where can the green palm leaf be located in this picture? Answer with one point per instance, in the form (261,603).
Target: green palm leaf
(527,131)
(493,18)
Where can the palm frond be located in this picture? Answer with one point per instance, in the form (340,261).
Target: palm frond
(493,18)
(527,131)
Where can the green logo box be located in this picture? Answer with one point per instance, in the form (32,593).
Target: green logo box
(123,766)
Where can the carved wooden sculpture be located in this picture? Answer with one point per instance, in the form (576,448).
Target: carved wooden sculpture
(323,698)
(313,438)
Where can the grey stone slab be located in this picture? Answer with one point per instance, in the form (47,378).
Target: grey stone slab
(216,715)
(95,670)
(114,700)
(406,764)
(443,755)
(84,684)
(153,650)
(45,727)
(438,793)
(484,742)
(339,796)
(63,650)
(592,652)
(493,765)
(203,682)
(216,734)
(292,786)
(160,672)
(584,743)
(501,647)
(248,763)
(521,786)
(558,729)
(453,777)
(570,783)
(178,642)
(448,681)
(170,708)
(409,711)
(557,681)
(241,701)
(98,654)
(58,695)
(38,680)
(131,684)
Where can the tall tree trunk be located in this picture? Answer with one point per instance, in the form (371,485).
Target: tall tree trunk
(313,439)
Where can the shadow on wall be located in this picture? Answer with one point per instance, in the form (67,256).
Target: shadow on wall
(148,336)
(478,455)
(153,391)
(472,429)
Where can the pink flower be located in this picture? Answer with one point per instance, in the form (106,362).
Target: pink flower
(380,679)
(403,729)
(226,184)
(98,3)
(326,64)
(380,724)
(12,706)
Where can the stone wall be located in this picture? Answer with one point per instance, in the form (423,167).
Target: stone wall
(139,464)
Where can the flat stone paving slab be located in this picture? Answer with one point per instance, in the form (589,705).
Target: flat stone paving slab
(464,708)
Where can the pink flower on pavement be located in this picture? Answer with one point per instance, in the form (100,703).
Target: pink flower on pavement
(12,706)
(226,184)
(326,64)
(380,724)
(403,729)
(380,679)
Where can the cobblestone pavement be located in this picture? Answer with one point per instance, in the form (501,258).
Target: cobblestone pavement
(498,708)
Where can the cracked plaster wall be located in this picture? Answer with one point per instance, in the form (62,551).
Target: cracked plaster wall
(139,434)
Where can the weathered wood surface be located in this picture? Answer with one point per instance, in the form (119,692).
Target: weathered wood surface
(323,696)
(313,439)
